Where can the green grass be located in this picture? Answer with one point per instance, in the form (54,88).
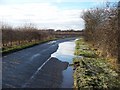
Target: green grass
(92,71)
(7,50)
(100,75)
(85,53)
(82,49)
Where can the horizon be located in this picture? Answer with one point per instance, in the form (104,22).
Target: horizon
(55,14)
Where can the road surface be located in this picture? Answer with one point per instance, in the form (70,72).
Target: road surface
(33,67)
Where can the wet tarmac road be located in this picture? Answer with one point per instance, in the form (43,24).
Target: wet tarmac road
(19,67)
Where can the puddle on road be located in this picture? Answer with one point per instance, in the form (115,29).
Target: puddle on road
(65,53)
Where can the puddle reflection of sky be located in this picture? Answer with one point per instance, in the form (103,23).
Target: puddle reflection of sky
(65,51)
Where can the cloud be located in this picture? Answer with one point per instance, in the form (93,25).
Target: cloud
(46,1)
(43,15)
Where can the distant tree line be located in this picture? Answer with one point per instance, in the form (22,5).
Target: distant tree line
(101,29)
(18,36)
(68,33)
(29,34)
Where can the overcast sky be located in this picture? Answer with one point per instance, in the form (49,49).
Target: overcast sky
(56,14)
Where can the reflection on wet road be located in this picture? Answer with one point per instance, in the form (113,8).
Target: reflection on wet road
(19,67)
(65,52)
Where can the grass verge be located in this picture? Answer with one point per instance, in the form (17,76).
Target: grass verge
(92,71)
(6,51)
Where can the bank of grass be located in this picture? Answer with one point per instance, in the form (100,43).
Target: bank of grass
(7,50)
(83,49)
(91,70)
